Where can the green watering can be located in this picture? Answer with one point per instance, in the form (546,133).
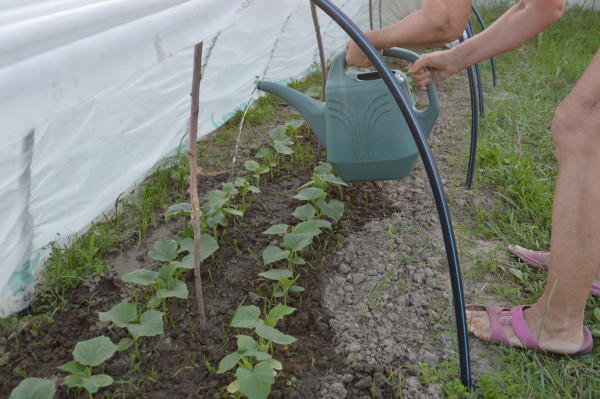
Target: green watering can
(360,123)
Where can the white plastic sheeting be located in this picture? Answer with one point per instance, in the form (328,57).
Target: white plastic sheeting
(93,93)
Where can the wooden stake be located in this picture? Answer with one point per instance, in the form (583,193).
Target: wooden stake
(371,14)
(313,10)
(192,151)
(518,137)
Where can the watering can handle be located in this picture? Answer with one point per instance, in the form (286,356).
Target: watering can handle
(433,109)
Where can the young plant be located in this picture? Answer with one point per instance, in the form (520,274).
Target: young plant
(89,354)
(245,187)
(285,283)
(125,315)
(301,237)
(256,369)
(256,169)
(324,177)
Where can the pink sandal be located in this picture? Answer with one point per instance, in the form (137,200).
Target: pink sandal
(532,258)
(514,318)
(535,260)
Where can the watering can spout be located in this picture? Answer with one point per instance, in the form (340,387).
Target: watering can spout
(312,111)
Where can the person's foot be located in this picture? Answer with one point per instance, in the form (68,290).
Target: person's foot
(515,327)
(541,260)
(537,259)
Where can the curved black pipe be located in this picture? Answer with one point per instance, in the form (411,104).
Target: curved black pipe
(474,124)
(470,34)
(492,61)
(436,186)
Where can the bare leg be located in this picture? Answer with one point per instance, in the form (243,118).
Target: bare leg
(556,320)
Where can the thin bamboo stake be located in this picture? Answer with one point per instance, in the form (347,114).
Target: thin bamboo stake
(371,14)
(518,137)
(380,3)
(192,151)
(313,10)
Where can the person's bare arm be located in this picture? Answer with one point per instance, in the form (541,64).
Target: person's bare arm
(520,23)
(437,22)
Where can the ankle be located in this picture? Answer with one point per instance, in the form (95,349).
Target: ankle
(541,321)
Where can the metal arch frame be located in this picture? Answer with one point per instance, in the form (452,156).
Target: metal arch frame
(426,155)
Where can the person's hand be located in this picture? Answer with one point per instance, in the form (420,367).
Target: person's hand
(440,63)
(355,57)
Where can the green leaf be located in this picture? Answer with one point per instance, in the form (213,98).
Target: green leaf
(304,212)
(178,209)
(295,288)
(153,302)
(73,367)
(597,313)
(326,224)
(247,317)
(280,228)
(278,313)
(217,218)
(323,169)
(228,362)
(263,152)
(253,189)
(276,274)
(251,165)
(273,334)
(165,274)
(245,344)
(240,182)
(140,276)
(94,351)
(273,254)
(208,246)
(151,324)
(175,289)
(164,251)
(34,388)
(275,364)
(282,148)
(595,332)
(295,123)
(310,193)
(231,211)
(334,209)
(313,91)
(121,314)
(230,189)
(124,344)
(218,198)
(186,245)
(278,133)
(307,228)
(256,383)
(298,260)
(296,242)
(186,263)
(333,179)
(90,384)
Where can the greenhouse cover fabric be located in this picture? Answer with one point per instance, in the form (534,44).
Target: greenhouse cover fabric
(95,93)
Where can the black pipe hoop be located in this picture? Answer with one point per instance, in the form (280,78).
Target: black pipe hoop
(432,173)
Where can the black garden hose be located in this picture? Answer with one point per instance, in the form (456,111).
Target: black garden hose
(492,61)
(438,193)
(474,124)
